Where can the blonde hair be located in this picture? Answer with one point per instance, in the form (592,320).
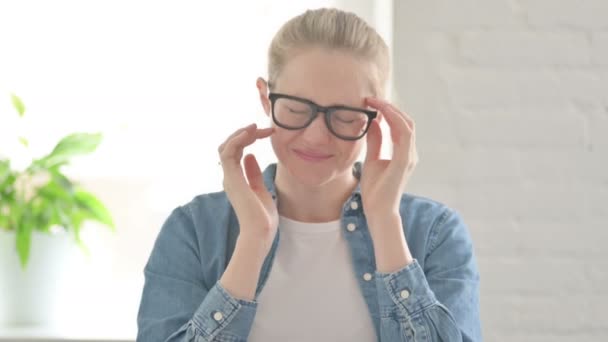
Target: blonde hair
(332,29)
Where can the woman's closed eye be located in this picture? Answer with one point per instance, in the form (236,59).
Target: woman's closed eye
(345,121)
(298,111)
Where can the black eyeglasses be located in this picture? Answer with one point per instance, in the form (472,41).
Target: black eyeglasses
(348,123)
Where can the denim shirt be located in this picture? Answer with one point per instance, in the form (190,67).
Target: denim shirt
(435,298)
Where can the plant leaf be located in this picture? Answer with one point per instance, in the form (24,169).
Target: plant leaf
(62,180)
(58,188)
(18,104)
(7,204)
(78,216)
(24,241)
(5,166)
(3,218)
(70,146)
(15,213)
(5,171)
(94,207)
(77,144)
(24,141)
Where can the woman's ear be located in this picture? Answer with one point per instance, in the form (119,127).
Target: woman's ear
(262,86)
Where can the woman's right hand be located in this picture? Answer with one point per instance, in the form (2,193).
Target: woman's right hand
(254,207)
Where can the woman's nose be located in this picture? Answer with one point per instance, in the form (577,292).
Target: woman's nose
(317,130)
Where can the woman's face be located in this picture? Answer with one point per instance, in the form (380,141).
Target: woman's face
(313,155)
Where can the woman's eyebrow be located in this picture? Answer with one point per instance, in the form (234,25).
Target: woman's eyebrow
(346,105)
(333,104)
(360,103)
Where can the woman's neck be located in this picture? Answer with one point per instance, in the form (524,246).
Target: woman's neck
(303,203)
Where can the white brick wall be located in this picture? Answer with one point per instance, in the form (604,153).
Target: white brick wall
(510,98)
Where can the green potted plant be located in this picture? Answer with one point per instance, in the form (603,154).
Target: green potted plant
(41,200)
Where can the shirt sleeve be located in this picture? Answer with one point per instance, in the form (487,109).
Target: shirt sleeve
(439,303)
(177,303)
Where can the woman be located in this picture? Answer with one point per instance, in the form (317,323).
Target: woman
(318,247)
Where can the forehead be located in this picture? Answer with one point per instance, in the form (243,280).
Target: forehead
(327,77)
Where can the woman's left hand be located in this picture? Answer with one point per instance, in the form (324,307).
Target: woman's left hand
(383,181)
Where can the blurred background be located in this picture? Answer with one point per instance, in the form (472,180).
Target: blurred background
(510,98)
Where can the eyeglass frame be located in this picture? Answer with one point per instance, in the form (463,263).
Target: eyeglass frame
(316,109)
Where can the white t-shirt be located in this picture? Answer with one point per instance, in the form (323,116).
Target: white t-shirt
(311,293)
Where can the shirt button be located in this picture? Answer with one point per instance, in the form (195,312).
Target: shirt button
(405,294)
(218,316)
(351,227)
(354,205)
(367,276)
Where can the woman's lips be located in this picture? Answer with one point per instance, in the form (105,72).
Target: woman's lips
(311,156)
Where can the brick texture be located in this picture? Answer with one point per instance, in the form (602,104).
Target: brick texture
(510,98)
